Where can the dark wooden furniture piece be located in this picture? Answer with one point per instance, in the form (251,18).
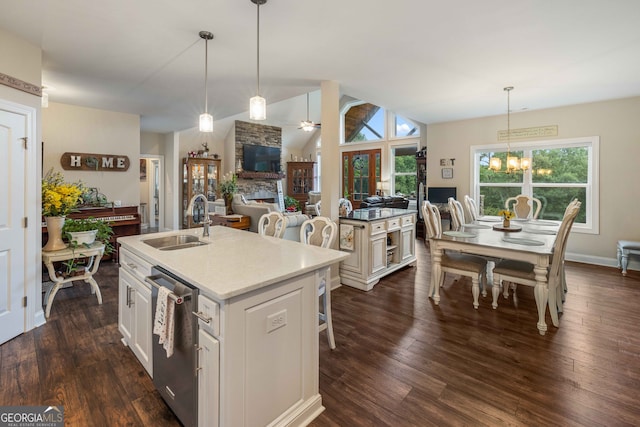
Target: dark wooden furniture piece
(200,175)
(242,222)
(300,180)
(124,220)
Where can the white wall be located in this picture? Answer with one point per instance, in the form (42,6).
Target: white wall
(617,124)
(22,60)
(69,128)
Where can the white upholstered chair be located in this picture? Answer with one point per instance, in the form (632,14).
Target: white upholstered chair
(272,224)
(322,231)
(472,208)
(518,272)
(457,213)
(523,206)
(452,262)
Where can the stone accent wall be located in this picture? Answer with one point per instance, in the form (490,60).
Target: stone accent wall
(257,134)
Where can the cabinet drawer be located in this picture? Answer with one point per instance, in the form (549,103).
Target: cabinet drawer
(407,220)
(377,228)
(393,224)
(209,315)
(134,264)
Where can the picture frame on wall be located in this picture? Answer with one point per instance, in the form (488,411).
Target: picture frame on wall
(447,173)
(143,169)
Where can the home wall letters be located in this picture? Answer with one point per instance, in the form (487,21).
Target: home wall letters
(94,162)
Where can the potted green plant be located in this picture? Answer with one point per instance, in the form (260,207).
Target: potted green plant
(85,231)
(291,204)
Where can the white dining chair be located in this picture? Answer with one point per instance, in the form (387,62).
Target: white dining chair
(472,208)
(518,272)
(457,213)
(470,266)
(272,224)
(322,231)
(523,206)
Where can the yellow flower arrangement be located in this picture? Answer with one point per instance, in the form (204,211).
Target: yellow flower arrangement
(59,198)
(506,214)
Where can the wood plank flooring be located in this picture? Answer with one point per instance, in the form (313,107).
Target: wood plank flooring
(400,360)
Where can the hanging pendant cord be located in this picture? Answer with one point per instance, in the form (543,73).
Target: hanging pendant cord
(206,69)
(258,49)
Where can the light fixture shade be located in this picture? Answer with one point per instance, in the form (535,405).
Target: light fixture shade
(513,163)
(206,122)
(495,163)
(307,126)
(525,163)
(257,108)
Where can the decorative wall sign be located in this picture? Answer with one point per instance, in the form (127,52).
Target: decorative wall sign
(94,162)
(534,132)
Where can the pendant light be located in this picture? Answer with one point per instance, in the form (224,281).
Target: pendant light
(307,125)
(206,119)
(513,162)
(257,104)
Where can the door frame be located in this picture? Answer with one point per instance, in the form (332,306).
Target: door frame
(161,189)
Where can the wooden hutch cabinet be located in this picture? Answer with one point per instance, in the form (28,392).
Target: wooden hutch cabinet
(199,176)
(300,180)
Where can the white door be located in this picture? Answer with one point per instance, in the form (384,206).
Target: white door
(13,128)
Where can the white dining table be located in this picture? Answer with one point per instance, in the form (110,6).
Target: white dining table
(533,244)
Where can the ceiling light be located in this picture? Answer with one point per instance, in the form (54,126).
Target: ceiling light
(513,162)
(257,104)
(308,125)
(206,119)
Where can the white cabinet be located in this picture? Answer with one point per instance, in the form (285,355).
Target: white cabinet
(208,379)
(380,246)
(134,302)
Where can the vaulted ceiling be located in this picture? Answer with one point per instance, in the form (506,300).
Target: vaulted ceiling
(428,60)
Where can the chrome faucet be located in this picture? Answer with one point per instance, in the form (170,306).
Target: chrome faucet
(206,221)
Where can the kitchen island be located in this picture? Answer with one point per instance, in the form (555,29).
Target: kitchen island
(380,241)
(257,321)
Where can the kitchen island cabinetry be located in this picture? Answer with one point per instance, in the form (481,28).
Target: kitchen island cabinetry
(383,242)
(256,308)
(134,307)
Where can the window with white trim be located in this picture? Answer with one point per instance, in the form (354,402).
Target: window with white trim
(561,171)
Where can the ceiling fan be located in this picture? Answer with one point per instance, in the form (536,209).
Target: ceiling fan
(308,125)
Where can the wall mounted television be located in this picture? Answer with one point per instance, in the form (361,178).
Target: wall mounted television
(260,158)
(441,194)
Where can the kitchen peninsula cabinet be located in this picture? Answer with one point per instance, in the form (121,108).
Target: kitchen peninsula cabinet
(383,242)
(199,176)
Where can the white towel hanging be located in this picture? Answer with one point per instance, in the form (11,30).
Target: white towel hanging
(163,325)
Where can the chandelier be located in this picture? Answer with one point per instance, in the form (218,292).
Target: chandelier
(513,162)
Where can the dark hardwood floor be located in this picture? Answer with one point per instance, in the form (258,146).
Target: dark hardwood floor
(399,361)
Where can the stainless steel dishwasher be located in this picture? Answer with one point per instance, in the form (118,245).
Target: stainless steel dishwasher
(174,376)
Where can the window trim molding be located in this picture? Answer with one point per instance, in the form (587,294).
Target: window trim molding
(591,205)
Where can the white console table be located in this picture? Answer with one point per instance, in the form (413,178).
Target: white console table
(383,241)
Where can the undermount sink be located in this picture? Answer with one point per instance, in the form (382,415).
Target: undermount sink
(172,243)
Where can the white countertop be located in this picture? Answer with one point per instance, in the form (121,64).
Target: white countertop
(235,261)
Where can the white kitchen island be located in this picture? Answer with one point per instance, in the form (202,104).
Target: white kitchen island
(261,293)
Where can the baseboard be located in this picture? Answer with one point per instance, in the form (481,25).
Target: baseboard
(634,264)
